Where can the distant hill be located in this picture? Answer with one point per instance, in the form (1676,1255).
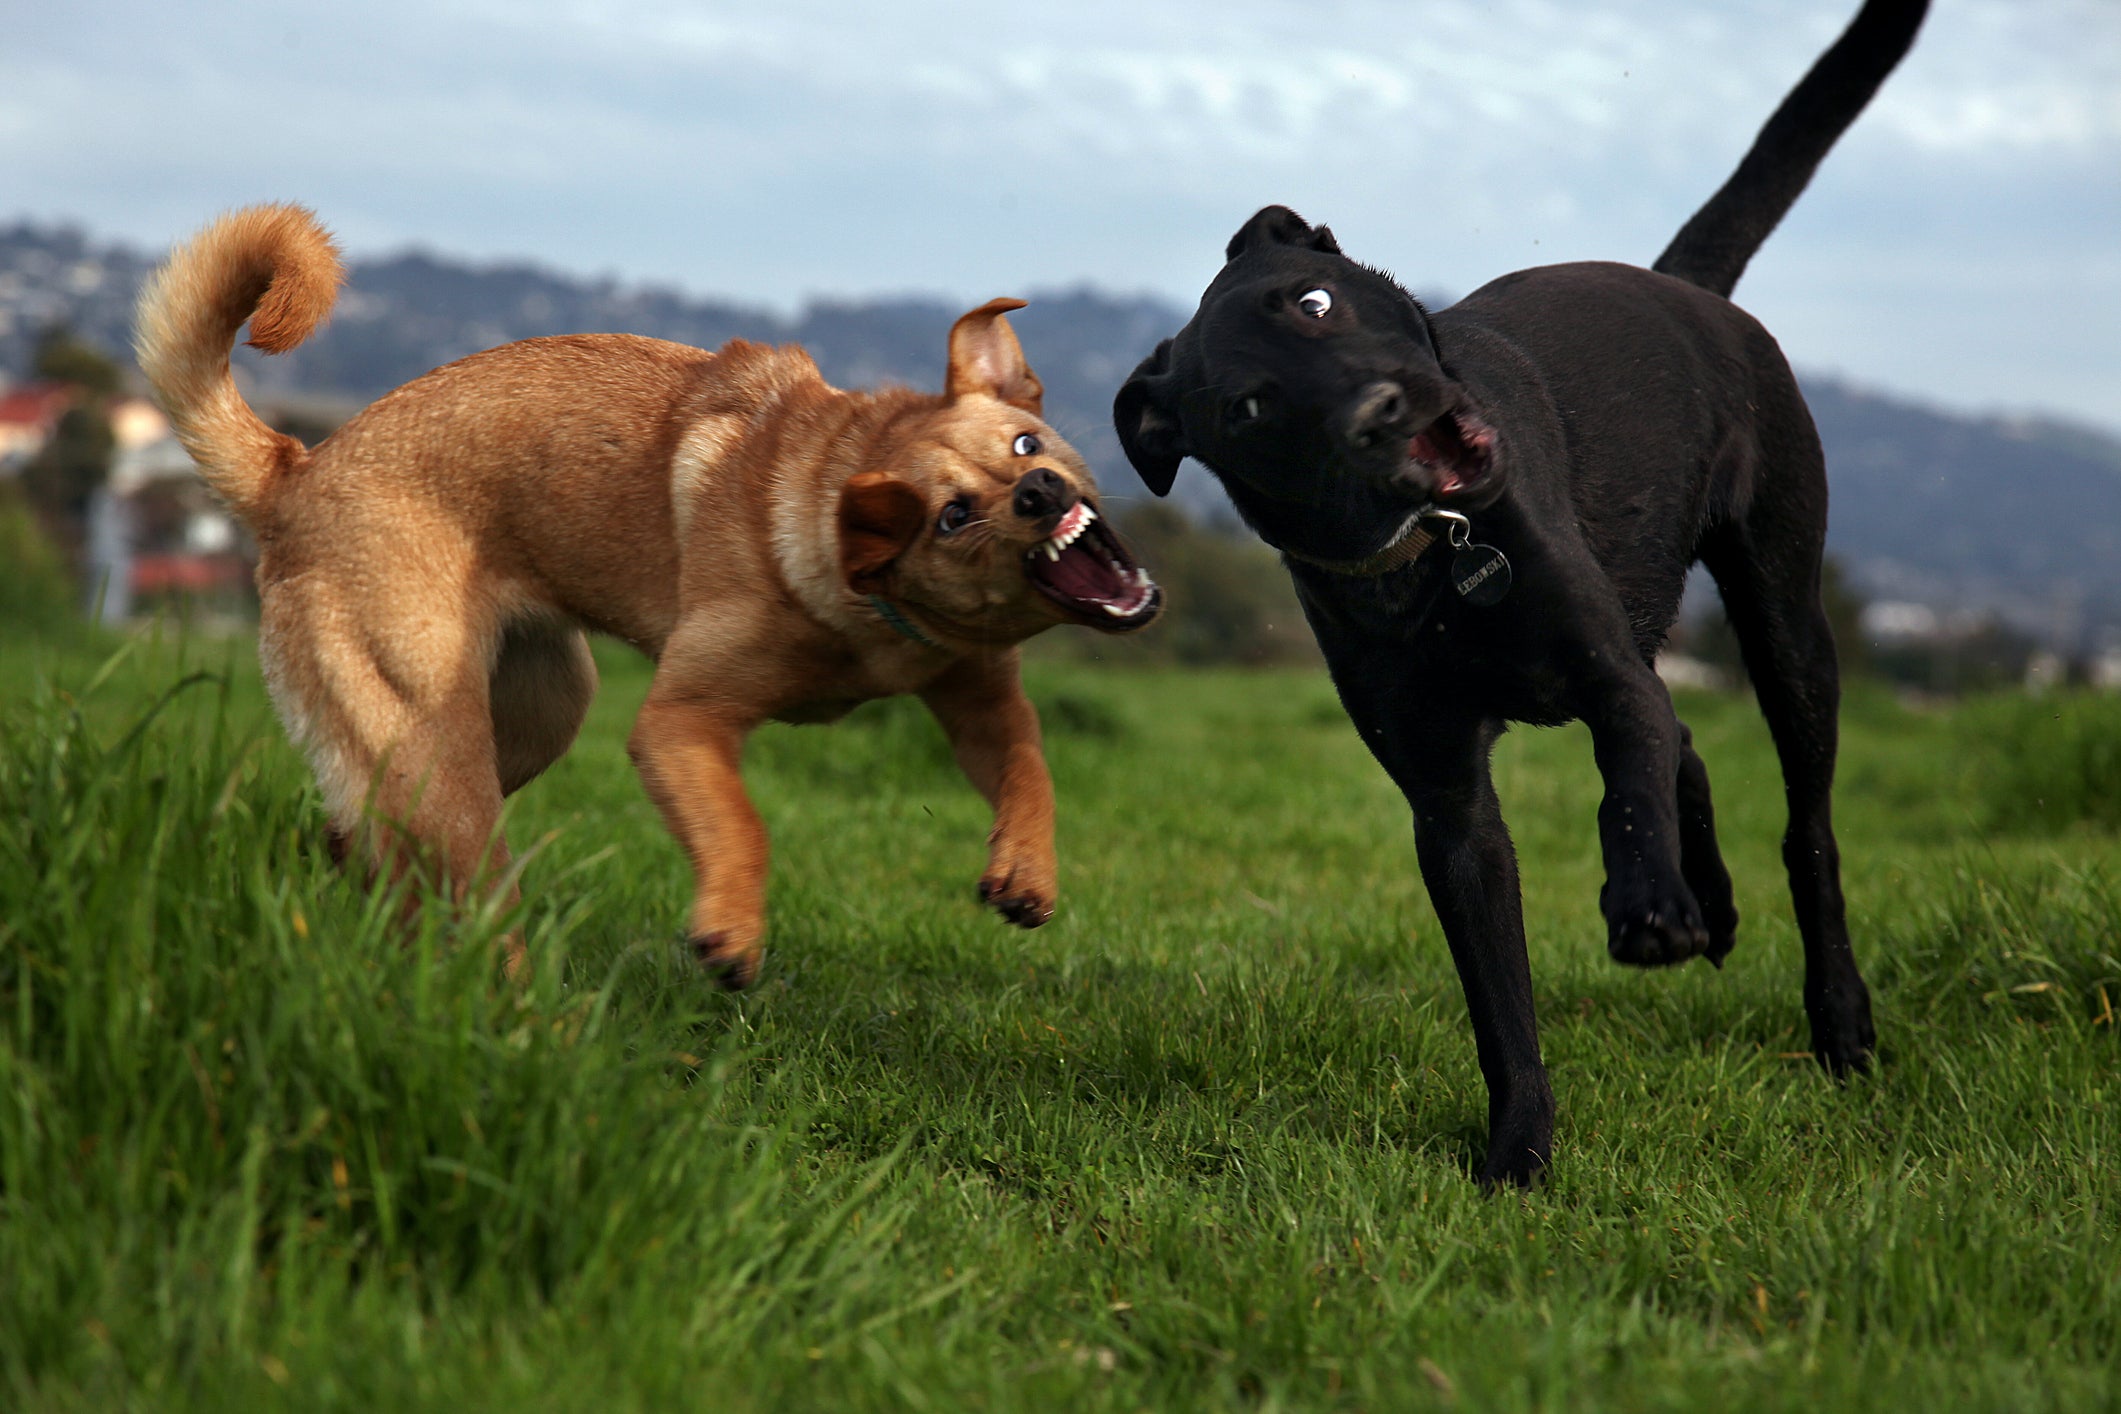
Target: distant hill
(400,316)
(2016,517)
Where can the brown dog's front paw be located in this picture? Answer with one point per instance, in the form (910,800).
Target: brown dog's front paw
(732,965)
(1025,907)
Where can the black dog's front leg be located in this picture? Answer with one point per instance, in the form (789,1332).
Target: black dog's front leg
(1652,916)
(1471,871)
(1470,868)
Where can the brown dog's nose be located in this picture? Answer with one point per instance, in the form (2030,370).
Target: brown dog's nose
(1039,494)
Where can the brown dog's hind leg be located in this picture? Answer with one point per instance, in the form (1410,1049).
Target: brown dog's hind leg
(435,805)
(688,755)
(542,682)
(406,763)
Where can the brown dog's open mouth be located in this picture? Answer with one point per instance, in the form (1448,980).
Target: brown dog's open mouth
(1083,568)
(1457,451)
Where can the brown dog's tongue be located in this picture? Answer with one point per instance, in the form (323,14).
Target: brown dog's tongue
(1081,574)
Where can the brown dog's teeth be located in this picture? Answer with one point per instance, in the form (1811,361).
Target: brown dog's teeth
(1071,527)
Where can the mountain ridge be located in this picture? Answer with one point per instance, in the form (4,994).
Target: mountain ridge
(2017,516)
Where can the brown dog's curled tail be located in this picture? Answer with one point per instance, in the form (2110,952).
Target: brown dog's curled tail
(272,266)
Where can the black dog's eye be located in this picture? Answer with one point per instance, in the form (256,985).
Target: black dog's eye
(954,517)
(1025,445)
(1314,303)
(1245,409)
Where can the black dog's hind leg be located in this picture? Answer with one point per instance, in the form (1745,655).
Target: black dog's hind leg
(1699,857)
(1470,868)
(1773,604)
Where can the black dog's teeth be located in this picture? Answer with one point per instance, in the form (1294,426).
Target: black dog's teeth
(1456,446)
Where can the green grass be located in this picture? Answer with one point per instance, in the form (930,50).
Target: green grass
(2049,762)
(1201,1142)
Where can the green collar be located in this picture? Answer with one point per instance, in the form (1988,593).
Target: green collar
(905,626)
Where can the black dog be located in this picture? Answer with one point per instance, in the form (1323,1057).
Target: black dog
(1596,429)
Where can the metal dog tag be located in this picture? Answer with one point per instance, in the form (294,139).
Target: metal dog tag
(1480,573)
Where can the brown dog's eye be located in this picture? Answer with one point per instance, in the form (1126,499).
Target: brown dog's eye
(954,517)
(1314,303)
(1025,445)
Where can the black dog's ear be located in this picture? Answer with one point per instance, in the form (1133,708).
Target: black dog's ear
(1146,418)
(1278,225)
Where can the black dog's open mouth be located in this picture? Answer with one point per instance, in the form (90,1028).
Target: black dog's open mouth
(1083,568)
(1455,453)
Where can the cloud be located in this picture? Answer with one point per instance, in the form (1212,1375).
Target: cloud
(823,146)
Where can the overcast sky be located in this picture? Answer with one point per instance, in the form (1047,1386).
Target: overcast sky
(1962,245)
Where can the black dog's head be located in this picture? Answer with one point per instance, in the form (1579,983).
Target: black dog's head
(1310,385)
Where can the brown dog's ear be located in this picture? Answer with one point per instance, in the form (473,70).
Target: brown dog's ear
(986,358)
(880,516)
(1146,419)
(1278,225)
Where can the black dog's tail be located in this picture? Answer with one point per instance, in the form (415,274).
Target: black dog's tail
(1712,249)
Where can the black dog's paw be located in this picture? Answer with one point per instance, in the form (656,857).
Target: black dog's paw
(1520,1146)
(1723,936)
(1660,933)
(1842,1035)
(1719,914)
(1520,1169)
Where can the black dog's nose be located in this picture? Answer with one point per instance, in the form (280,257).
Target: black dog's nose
(1039,494)
(1379,411)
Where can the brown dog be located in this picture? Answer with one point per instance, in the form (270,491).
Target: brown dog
(783,550)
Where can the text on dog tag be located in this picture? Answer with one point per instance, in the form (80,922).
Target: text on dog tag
(1480,574)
